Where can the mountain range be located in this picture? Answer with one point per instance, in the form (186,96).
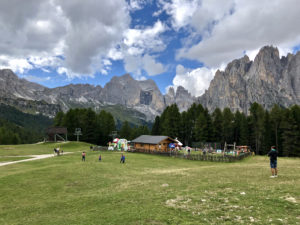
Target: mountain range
(267,80)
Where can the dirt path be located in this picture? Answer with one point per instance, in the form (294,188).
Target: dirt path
(33,157)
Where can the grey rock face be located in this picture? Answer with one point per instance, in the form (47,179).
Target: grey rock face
(143,96)
(268,80)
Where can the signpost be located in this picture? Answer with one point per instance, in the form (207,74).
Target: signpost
(78,133)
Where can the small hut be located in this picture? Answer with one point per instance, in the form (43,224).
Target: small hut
(57,134)
(153,143)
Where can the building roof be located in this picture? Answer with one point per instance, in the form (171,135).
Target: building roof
(149,139)
(56,130)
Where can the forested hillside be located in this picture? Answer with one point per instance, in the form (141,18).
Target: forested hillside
(96,128)
(17,127)
(260,130)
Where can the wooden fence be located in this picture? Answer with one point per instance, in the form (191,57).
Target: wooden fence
(212,158)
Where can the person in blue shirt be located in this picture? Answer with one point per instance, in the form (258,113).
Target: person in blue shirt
(100,158)
(122,159)
(273,161)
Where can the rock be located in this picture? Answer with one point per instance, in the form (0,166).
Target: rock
(268,80)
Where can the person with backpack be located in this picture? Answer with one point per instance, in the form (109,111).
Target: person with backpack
(273,161)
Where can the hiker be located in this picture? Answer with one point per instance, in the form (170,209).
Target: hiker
(99,158)
(83,156)
(273,161)
(122,159)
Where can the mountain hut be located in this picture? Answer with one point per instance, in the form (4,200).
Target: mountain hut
(152,143)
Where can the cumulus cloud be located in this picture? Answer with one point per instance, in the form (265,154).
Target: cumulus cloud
(94,28)
(195,81)
(16,64)
(248,26)
(151,66)
(36,79)
(135,65)
(81,32)
(139,44)
(146,39)
(137,4)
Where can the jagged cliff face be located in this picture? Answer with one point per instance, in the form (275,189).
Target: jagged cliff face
(143,96)
(181,97)
(268,80)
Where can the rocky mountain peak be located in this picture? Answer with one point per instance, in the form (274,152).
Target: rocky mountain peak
(171,92)
(267,80)
(268,52)
(124,79)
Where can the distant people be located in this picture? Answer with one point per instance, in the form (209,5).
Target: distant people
(100,158)
(83,156)
(122,158)
(273,161)
(91,147)
(57,151)
(54,151)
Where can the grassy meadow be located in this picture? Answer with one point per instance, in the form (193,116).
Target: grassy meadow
(147,189)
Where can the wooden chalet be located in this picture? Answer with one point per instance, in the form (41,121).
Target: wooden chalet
(152,143)
(57,134)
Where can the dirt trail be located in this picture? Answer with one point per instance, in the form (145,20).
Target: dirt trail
(33,157)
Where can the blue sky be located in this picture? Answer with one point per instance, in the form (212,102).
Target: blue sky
(173,42)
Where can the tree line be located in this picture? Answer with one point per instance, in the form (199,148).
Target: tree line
(17,127)
(97,128)
(259,130)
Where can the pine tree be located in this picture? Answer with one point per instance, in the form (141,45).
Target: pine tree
(227,126)
(125,131)
(58,120)
(156,126)
(256,121)
(276,119)
(267,134)
(217,121)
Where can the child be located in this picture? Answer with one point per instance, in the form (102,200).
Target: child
(83,156)
(122,159)
(99,158)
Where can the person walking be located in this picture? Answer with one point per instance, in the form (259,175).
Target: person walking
(100,158)
(83,156)
(273,161)
(122,159)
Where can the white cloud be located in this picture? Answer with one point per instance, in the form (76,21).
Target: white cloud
(137,4)
(139,44)
(146,39)
(36,79)
(181,11)
(16,64)
(82,32)
(195,81)
(135,65)
(249,26)
(151,66)
(115,54)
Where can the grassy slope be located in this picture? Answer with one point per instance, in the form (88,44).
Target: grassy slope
(10,159)
(64,190)
(43,148)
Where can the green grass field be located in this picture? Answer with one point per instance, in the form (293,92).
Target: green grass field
(10,159)
(147,189)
